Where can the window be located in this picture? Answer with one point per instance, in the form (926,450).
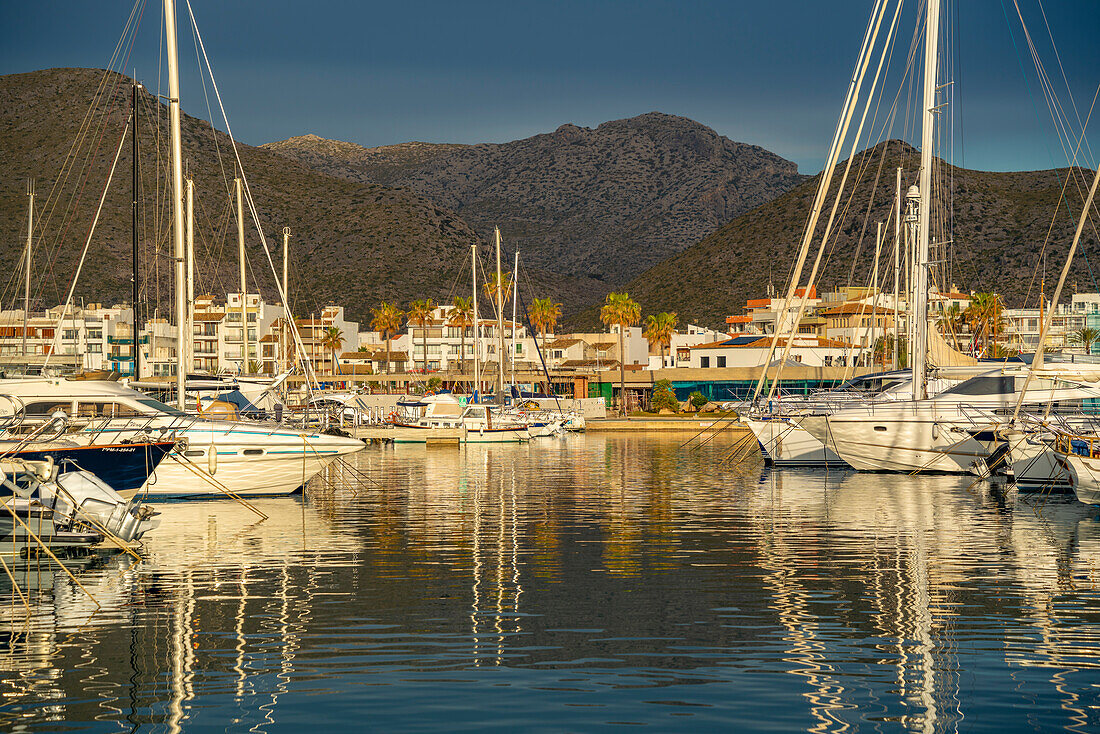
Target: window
(95,348)
(722,361)
(994,385)
(95,333)
(704,361)
(70,335)
(157,405)
(47,408)
(519,348)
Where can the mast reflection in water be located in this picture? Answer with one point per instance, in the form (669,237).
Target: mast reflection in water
(571,584)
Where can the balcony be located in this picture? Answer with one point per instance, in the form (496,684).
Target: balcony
(126,340)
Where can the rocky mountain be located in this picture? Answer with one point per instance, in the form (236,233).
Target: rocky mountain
(604,203)
(999,225)
(352,243)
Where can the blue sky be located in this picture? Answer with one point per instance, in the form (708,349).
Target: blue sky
(768,73)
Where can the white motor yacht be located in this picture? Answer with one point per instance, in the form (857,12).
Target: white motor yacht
(444,413)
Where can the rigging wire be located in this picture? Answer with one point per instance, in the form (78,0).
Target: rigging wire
(1071,173)
(310,376)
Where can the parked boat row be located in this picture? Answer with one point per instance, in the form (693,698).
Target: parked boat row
(478,422)
(1030,422)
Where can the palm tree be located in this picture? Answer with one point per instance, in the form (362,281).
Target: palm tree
(461,317)
(1085,337)
(387,322)
(498,291)
(333,340)
(619,310)
(951,322)
(984,317)
(659,329)
(544,315)
(420,313)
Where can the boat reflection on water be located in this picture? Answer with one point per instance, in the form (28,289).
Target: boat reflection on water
(603,579)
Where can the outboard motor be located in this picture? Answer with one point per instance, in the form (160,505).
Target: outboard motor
(80,496)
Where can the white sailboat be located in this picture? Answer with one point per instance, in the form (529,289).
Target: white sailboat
(214,457)
(949,432)
(952,431)
(784,442)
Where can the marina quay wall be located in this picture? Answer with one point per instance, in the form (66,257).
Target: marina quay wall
(716,383)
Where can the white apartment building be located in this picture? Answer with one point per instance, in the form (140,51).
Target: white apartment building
(752,350)
(595,350)
(451,348)
(279,347)
(678,353)
(88,338)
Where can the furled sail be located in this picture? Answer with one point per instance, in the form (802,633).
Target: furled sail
(942,354)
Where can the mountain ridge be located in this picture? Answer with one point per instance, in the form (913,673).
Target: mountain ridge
(353,244)
(602,203)
(1001,220)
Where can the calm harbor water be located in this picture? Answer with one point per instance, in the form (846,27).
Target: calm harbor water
(579,584)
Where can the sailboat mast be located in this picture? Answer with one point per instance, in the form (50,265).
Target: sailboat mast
(244,300)
(136,280)
(27,262)
(515,297)
(177,190)
(286,290)
(897,267)
(924,218)
(500,323)
(477,342)
(874,302)
(189,323)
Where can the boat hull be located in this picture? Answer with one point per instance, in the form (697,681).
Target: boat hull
(273,473)
(426,434)
(1035,465)
(900,441)
(242,458)
(785,443)
(1085,474)
(124,467)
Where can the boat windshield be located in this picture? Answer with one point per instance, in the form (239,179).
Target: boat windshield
(161,407)
(871,384)
(984,385)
